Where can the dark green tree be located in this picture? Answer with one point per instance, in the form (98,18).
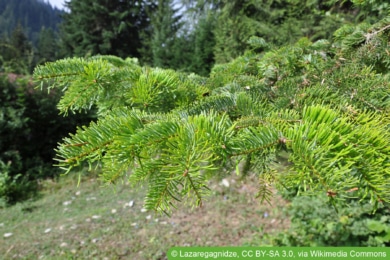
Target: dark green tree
(30,128)
(17,52)
(13,132)
(204,42)
(184,42)
(20,42)
(47,49)
(105,27)
(165,23)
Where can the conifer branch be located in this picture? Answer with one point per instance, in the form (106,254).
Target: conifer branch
(325,105)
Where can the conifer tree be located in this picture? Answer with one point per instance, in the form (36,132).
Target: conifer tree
(47,49)
(105,27)
(325,104)
(166,23)
(204,42)
(17,52)
(192,48)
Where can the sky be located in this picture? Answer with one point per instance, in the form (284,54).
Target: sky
(57,3)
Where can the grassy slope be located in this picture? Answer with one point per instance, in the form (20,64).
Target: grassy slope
(94,222)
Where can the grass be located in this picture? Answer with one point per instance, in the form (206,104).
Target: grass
(94,222)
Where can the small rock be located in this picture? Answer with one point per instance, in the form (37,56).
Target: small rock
(113,211)
(47,230)
(133,224)
(143,210)
(73,251)
(88,220)
(148,217)
(7,235)
(95,240)
(66,203)
(131,203)
(1,224)
(225,183)
(64,244)
(163,222)
(73,227)
(91,198)
(95,217)
(77,193)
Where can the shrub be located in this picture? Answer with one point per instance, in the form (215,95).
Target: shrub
(30,128)
(315,222)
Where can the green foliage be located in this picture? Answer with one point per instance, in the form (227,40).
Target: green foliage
(316,223)
(47,49)
(16,53)
(280,22)
(204,41)
(367,42)
(105,27)
(326,104)
(165,23)
(14,188)
(178,40)
(4,182)
(13,130)
(373,8)
(28,35)
(32,15)
(28,117)
(144,88)
(381,229)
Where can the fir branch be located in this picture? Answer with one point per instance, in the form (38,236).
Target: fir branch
(325,104)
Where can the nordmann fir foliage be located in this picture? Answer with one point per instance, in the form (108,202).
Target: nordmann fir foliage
(280,22)
(326,104)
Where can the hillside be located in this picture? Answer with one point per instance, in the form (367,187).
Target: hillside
(33,15)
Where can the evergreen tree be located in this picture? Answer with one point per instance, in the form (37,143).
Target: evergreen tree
(20,42)
(105,27)
(17,52)
(165,25)
(204,42)
(47,49)
(179,41)
(191,48)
